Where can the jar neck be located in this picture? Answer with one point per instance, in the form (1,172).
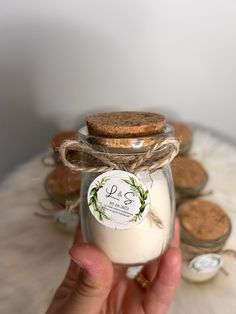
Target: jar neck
(124,145)
(188,239)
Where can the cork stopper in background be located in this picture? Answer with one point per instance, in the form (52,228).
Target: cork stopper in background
(190,177)
(184,134)
(204,220)
(62,181)
(59,138)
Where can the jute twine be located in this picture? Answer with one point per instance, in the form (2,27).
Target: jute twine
(156,157)
(189,252)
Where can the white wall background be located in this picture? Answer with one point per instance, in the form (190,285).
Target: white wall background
(60,60)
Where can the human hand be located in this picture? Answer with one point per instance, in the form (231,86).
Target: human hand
(93,285)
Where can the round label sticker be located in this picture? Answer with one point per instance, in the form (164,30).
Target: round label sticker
(118,199)
(206,263)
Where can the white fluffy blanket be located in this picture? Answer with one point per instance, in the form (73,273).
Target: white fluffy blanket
(34,252)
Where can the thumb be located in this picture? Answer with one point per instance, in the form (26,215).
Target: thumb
(94,280)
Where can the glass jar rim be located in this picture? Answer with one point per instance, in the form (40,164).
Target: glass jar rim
(187,238)
(126,143)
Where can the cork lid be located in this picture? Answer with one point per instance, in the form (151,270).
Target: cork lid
(125,124)
(184,134)
(62,181)
(204,220)
(126,129)
(59,138)
(188,173)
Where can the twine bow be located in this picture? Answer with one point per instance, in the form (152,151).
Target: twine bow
(156,157)
(160,154)
(189,252)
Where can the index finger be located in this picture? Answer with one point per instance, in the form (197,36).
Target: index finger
(150,270)
(161,292)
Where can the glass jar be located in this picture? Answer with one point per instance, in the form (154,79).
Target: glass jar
(202,257)
(141,241)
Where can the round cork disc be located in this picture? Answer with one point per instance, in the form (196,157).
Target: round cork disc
(184,134)
(189,175)
(61,181)
(125,124)
(59,138)
(204,220)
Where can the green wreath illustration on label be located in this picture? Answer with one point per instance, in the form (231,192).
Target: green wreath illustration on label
(206,263)
(118,199)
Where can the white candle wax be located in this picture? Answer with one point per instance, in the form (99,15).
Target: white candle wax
(139,244)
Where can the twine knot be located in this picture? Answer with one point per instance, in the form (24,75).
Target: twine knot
(157,156)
